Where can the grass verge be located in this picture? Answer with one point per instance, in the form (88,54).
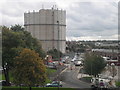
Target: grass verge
(86,79)
(49,71)
(36,88)
(117,84)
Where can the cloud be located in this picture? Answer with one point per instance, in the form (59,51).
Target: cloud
(86,38)
(13,13)
(85,20)
(92,19)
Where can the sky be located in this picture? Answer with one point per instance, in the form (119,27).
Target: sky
(85,19)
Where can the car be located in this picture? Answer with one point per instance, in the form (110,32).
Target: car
(54,84)
(52,65)
(106,58)
(63,61)
(78,63)
(4,83)
(66,57)
(73,60)
(118,64)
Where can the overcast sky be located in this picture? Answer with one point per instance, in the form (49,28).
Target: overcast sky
(86,19)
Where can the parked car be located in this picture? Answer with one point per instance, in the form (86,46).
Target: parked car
(78,63)
(52,65)
(4,83)
(73,60)
(118,64)
(63,60)
(54,84)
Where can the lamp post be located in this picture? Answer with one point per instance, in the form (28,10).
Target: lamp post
(58,35)
(58,48)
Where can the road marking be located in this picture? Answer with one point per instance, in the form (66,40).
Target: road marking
(63,70)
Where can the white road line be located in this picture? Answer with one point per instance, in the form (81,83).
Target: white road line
(63,70)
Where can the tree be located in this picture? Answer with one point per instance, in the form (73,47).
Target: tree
(17,28)
(29,69)
(27,40)
(12,44)
(93,64)
(0,46)
(55,53)
(32,43)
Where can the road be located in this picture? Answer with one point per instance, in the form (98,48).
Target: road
(70,80)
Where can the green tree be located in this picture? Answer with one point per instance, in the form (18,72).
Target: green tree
(0,46)
(32,43)
(55,53)
(12,44)
(29,69)
(28,40)
(93,64)
(17,28)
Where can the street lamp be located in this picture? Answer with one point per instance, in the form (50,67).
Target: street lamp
(58,35)
(58,48)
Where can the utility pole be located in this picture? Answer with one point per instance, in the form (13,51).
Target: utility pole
(58,55)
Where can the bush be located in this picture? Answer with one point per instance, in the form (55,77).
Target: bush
(118,84)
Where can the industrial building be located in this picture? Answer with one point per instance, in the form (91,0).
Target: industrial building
(48,26)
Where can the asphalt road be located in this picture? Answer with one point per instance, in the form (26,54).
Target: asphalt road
(70,80)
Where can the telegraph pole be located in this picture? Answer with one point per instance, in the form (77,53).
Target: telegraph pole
(58,54)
